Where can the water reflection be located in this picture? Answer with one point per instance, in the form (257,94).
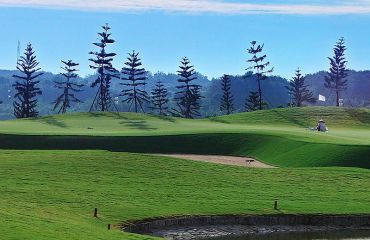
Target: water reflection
(335,235)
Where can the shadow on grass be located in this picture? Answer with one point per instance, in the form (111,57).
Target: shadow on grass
(114,115)
(132,123)
(96,114)
(51,120)
(218,120)
(139,124)
(271,149)
(164,118)
(120,116)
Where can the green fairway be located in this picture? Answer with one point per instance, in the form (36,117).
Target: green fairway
(55,170)
(347,126)
(280,137)
(52,194)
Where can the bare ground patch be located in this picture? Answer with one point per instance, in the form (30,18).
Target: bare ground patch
(227,160)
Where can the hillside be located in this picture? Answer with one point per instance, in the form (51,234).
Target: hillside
(291,121)
(123,122)
(55,170)
(275,93)
(303,117)
(49,92)
(280,137)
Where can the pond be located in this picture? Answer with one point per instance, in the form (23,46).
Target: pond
(257,227)
(332,235)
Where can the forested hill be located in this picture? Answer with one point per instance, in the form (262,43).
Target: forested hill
(356,95)
(274,91)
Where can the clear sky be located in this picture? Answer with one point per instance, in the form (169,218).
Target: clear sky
(214,35)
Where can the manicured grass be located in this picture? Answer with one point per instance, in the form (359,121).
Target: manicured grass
(303,117)
(55,170)
(51,194)
(278,136)
(347,126)
(276,150)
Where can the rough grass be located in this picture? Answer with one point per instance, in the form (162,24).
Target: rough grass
(51,194)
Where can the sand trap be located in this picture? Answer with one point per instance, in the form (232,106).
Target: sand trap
(227,160)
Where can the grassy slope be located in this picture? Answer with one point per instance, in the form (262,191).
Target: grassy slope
(350,126)
(271,149)
(337,117)
(276,136)
(50,194)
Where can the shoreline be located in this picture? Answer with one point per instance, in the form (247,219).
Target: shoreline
(206,227)
(220,231)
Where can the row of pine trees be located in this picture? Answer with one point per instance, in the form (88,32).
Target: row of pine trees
(132,76)
(187,99)
(297,88)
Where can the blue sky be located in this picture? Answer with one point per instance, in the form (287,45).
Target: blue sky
(213,34)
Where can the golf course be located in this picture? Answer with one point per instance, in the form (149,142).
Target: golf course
(56,169)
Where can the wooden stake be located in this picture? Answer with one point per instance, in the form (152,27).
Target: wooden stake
(96,212)
(276,205)
(108,226)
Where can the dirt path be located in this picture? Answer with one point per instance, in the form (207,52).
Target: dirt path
(227,160)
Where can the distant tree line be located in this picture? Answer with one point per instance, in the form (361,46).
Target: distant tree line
(298,89)
(187,100)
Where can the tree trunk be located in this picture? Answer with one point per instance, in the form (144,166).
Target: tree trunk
(337,98)
(259,93)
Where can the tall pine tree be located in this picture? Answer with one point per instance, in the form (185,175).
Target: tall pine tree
(63,102)
(260,67)
(26,85)
(336,79)
(252,102)
(227,100)
(299,91)
(196,98)
(159,99)
(102,63)
(188,96)
(134,77)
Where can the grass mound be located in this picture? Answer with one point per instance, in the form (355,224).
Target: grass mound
(51,194)
(279,151)
(51,191)
(125,124)
(303,117)
(278,136)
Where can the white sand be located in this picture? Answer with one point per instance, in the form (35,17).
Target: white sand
(227,160)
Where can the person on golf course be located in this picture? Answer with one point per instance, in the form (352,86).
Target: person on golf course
(321,126)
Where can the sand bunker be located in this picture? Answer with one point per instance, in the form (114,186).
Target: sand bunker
(227,160)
